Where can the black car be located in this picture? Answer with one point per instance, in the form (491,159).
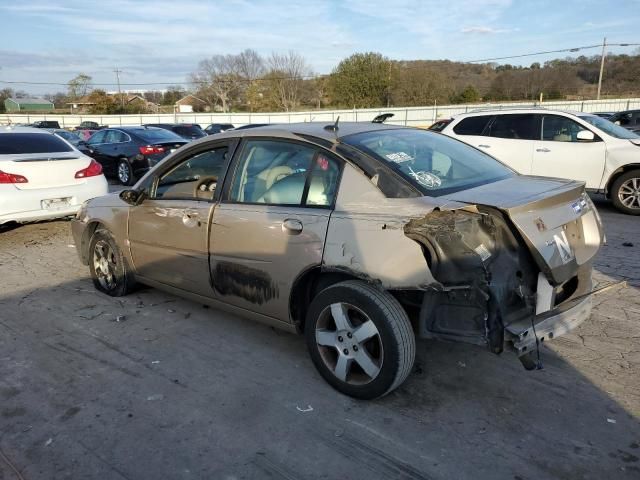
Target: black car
(190,131)
(45,124)
(629,119)
(128,152)
(214,128)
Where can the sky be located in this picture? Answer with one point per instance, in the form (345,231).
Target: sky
(163,40)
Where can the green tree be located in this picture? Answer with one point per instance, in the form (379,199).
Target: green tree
(468,95)
(4,94)
(361,81)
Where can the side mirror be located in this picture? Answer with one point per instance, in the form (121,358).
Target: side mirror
(132,197)
(585,136)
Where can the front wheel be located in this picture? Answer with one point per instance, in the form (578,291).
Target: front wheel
(109,270)
(360,339)
(125,172)
(625,192)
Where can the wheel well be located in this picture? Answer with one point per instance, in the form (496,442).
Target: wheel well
(86,240)
(620,171)
(307,286)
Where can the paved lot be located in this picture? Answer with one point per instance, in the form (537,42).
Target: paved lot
(177,390)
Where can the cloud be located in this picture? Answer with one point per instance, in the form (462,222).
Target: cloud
(485,30)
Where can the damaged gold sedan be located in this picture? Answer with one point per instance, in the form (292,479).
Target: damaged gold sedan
(361,236)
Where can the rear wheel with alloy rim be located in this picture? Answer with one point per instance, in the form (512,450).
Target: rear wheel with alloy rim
(360,339)
(625,192)
(125,172)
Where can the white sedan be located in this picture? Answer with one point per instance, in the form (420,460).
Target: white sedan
(43,176)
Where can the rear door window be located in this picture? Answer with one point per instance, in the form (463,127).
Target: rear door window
(472,125)
(515,126)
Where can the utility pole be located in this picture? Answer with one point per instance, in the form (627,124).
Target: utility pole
(118,72)
(604,46)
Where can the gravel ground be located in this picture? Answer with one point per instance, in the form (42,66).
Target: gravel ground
(175,390)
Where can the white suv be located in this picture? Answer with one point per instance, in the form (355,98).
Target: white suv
(552,143)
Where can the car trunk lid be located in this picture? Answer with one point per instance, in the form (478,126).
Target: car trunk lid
(555,217)
(45,170)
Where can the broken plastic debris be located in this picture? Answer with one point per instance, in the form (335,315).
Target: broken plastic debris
(462,364)
(154,397)
(304,410)
(627,244)
(48,442)
(171,311)
(611,420)
(121,318)
(155,362)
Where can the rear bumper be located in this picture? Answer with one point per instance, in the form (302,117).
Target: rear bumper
(547,326)
(26,205)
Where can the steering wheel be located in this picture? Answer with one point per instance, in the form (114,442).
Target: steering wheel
(205,187)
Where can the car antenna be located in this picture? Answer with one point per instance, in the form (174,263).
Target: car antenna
(334,127)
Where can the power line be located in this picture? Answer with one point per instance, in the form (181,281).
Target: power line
(307,77)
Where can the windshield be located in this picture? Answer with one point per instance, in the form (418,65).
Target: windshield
(157,135)
(68,136)
(609,128)
(25,143)
(435,164)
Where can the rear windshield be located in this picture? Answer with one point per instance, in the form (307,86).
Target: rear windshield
(609,127)
(68,136)
(25,143)
(157,135)
(435,164)
(189,131)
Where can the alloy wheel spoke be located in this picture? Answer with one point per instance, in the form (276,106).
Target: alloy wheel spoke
(627,201)
(366,363)
(365,331)
(343,365)
(626,189)
(635,183)
(340,316)
(326,338)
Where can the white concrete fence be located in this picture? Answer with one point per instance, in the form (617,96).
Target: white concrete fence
(413,116)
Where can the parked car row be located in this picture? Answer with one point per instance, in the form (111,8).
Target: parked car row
(574,145)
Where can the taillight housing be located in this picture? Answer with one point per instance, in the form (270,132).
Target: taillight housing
(12,178)
(93,170)
(151,150)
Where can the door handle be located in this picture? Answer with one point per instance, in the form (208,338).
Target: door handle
(292,226)
(484,146)
(545,150)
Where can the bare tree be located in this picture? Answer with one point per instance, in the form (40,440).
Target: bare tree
(250,64)
(217,80)
(79,86)
(286,73)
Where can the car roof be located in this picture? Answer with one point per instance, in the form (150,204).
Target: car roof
(10,129)
(497,111)
(132,128)
(321,130)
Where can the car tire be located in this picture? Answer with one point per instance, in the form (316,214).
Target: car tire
(125,172)
(360,339)
(109,269)
(625,192)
